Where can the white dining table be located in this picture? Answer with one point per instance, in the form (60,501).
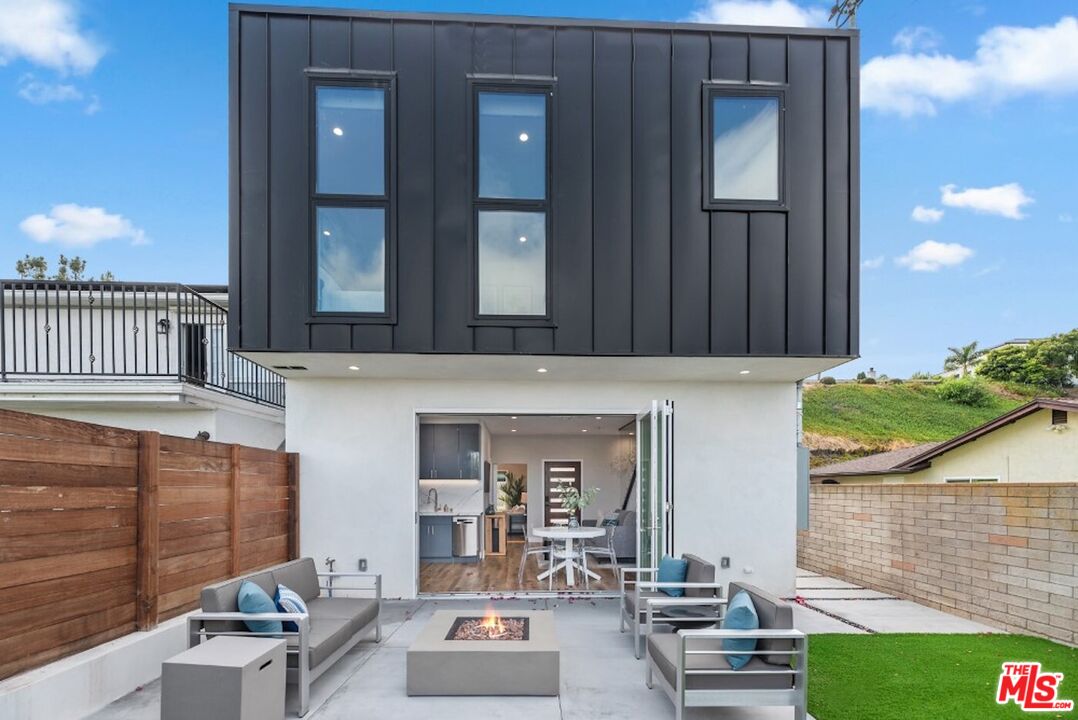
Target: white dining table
(569,535)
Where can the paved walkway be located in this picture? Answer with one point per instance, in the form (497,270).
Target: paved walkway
(832,605)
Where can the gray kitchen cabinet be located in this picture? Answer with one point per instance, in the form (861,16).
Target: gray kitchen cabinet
(435,537)
(449,451)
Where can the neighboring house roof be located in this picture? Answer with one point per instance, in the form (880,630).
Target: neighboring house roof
(878,464)
(918,457)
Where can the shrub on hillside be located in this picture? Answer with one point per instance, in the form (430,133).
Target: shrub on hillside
(867,381)
(896,381)
(965,391)
(921,375)
(827,380)
(1048,363)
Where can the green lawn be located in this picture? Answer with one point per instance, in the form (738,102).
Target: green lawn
(882,413)
(925,677)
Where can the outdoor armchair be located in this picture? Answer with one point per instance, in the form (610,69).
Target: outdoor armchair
(692,669)
(637,589)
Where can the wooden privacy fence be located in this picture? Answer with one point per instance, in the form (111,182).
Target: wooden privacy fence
(105,531)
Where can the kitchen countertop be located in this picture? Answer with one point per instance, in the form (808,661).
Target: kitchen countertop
(440,513)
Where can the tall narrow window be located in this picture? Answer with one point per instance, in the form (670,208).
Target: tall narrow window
(351,200)
(745,147)
(512,161)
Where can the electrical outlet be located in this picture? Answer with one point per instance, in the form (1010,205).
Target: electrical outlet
(724,563)
(363,564)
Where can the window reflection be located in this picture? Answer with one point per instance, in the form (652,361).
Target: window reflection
(745,149)
(351,259)
(512,263)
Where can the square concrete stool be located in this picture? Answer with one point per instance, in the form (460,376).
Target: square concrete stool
(226,678)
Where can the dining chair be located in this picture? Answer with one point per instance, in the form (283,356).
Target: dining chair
(533,545)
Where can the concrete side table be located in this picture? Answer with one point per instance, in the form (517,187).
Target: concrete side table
(226,678)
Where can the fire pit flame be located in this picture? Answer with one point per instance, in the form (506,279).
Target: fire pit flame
(492,624)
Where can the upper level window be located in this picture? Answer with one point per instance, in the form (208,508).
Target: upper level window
(745,149)
(512,161)
(350,203)
(351,128)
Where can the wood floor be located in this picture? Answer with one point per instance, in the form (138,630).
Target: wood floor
(497,574)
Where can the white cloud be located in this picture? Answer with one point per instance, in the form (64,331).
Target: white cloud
(782,13)
(930,256)
(46,33)
(873,263)
(1004,200)
(79,226)
(1066,218)
(924,214)
(41,93)
(909,39)
(1009,61)
(94,106)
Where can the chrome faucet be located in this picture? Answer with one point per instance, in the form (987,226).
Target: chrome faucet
(435,491)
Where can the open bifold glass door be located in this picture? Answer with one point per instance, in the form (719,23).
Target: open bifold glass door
(655,465)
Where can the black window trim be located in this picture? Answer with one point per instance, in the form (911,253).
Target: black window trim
(711,89)
(387,200)
(511,84)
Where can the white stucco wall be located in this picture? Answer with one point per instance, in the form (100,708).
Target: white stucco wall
(735,465)
(223,425)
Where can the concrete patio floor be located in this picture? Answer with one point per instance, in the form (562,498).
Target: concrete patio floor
(600,678)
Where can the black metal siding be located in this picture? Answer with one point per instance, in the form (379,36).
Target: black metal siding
(638,266)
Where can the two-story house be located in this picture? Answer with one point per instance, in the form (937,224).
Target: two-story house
(496,218)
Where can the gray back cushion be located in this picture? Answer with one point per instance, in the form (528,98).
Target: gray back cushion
(300,576)
(699,571)
(774,614)
(221,597)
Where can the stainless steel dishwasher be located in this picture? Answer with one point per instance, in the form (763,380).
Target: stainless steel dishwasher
(465,536)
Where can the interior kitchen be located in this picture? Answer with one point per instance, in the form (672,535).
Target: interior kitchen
(489,485)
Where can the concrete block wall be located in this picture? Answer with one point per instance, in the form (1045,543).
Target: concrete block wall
(1005,555)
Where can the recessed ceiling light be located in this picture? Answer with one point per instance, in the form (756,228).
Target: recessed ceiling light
(598,417)
(512,417)
(523,239)
(338,132)
(584,430)
(353,367)
(523,137)
(744,372)
(540,370)
(513,430)
(326,233)
(631,432)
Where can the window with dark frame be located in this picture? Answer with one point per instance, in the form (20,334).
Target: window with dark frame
(350,197)
(744,147)
(511,199)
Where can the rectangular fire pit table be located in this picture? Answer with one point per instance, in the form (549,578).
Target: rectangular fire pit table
(530,666)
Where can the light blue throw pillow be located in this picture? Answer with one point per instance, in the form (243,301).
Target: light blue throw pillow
(672,570)
(740,615)
(253,599)
(289,601)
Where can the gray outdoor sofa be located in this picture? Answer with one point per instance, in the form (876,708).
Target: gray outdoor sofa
(335,624)
(691,666)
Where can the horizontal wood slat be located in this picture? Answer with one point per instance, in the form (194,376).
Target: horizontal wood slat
(104,531)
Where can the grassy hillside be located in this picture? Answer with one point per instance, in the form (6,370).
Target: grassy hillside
(879,415)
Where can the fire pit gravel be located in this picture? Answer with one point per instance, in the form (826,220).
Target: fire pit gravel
(489,628)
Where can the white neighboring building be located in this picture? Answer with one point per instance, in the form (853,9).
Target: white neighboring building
(134,355)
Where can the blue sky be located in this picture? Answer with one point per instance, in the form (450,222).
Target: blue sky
(113,134)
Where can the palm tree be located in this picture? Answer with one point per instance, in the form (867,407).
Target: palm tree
(961,358)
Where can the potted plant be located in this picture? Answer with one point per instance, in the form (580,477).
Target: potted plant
(575,501)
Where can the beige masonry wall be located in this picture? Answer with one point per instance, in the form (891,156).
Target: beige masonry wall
(1005,555)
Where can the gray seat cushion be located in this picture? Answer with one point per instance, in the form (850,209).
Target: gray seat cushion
(775,614)
(298,575)
(630,601)
(359,611)
(326,636)
(699,571)
(663,648)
